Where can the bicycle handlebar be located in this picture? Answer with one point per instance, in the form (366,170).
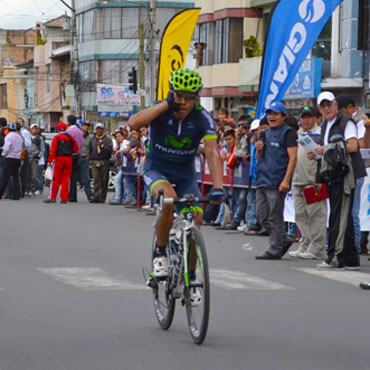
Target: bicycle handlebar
(187,199)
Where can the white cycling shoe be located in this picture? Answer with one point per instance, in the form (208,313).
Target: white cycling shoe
(160,267)
(195,296)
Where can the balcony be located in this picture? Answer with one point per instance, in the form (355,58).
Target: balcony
(249,72)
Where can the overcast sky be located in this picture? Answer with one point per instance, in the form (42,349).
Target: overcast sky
(23,14)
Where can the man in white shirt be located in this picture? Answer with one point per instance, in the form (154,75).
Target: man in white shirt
(339,130)
(347,105)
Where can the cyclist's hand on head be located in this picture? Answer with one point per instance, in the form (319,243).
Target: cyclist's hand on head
(216,196)
(171,103)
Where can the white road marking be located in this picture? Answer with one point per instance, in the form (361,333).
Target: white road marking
(239,280)
(91,278)
(348,277)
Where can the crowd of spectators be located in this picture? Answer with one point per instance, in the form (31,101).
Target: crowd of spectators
(269,148)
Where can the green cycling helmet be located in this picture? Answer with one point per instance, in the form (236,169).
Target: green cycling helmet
(185,79)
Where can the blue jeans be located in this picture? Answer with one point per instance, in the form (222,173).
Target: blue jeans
(251,209)
(85,176)
(40,178)
(356,213)
(118,186)
(241,196)
(131,186)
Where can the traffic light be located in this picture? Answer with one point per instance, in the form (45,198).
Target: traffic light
(132,80)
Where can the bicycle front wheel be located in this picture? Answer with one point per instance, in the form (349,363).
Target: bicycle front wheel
(164,303)
(197,294)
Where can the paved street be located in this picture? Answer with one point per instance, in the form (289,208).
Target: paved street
(72,297)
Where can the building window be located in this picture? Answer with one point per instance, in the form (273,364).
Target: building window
(363,26)
(3,96)
(207,36)
(130,25)
(229,40)
(88,75)
(322,48)
(112,26)
(115,72)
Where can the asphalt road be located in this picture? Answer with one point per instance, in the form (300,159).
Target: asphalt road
(72,297)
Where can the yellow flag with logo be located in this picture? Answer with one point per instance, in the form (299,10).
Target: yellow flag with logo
(174,47)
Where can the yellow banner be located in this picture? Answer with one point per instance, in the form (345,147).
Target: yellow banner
(174,47)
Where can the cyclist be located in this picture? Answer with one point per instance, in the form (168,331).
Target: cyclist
(176,127)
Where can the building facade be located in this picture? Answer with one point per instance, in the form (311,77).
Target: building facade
(231,74)
(108,47)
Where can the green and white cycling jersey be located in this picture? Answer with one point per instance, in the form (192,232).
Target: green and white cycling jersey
(175,141)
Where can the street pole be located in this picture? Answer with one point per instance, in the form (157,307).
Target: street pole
(141,66)
(76,73)
(153,4)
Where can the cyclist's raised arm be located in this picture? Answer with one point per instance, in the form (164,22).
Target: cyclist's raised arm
(146,116)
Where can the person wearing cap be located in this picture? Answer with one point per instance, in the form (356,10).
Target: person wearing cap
(118,182)
(25,164)
(240,152)
(347,105)
(100,151)
(3,124)
(310,218)
(277,158)
(339,168)
(84,161)
(11,151)
(252,225)
(75,131)
(35,152)
(63,146)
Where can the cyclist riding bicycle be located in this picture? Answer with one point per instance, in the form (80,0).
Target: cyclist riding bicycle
(176,127)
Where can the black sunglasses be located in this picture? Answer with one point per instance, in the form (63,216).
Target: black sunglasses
(186,96)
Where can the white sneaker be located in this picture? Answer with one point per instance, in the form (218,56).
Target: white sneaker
(195,296)
(147,206)
(310,256)
(37,192)
(243,228)
(160,266)
(325,266)
(295,253)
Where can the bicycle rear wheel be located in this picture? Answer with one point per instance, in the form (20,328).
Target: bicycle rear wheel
(197,294)
(164,303)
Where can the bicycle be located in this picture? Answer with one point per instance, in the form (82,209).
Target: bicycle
(187,255)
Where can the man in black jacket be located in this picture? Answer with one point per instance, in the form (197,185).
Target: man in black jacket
(100,151)
(339,128)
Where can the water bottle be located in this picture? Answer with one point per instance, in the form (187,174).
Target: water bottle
(173,245)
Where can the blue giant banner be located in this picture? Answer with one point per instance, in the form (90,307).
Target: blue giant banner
(294,28)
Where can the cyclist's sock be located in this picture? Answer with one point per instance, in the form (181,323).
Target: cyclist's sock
(160,251)
(192,275)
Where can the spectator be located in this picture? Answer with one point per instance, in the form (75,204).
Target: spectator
(223,113)
(11,151)
(25,163)
(75,131)
(84,161)
(62,148)
(41,166)
(241,152)
(310,218)
(131,180)
(118,193)
(339,140)
(3,124)
(252,222)
(348,106)
(100,150)
(277,157)
(36,152)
